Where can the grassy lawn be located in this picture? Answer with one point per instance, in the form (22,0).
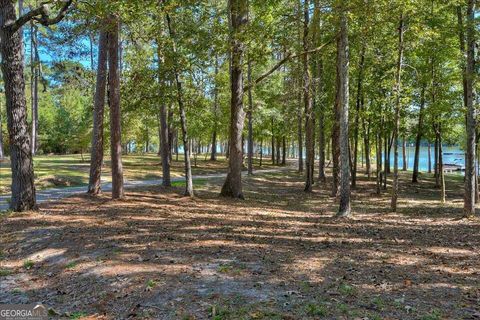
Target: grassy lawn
(72,170)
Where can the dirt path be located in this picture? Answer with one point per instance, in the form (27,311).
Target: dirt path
(277,255)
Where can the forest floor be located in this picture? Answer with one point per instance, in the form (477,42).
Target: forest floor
(57,171)
(279,254)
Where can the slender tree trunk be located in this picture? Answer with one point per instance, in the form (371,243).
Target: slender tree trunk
(213,155)
(277,162)
(273,143)
(115,111)
(321,127)
(183,117)
(261,152)
(469,199)
(250,121)
(404,154)
(397,115)
(34,87)
(440,164)
(435,163)
(2,155)
(23,189)
(284,151)
(342,106)
(96,158)
(386,160)
(418,140)
(164,143)
(239,18)
(307,100)
(366,143)
(300,136)
(357,114)
(379,162)
(429,157)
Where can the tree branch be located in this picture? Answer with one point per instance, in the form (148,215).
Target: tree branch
(280,63)
(40,15)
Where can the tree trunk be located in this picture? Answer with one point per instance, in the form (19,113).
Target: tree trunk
(273,144)
(164,143)
(429,157)
(357,114)
(469,199)
(239,18)
(183,117)
(300,136)
(404,155)
(96,158)
(261,152)
(366,143)
(284,151)
(115,111)
(418,140)
(34,61)
(307,100)
(277,162)
(2,155)
(440,164)
(379,162)
(435,162)
(321,128)
(23,188)
(213,155)
(342,107)
(250,120)
(397,115)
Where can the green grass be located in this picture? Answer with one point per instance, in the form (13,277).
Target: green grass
(57,171)
(4,273)
(28,264)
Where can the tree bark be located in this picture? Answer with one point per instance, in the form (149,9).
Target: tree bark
(213,155)
(307,100)
(418,139)
(23,188)
(366,143)
(396,126)
(2,155)
(250,120)
(429,157)
(342,107)
(357,114)
(239,18)
(34,63)
(404,154)
(440,164)
(115,111)
(183,117)
(164,143)
(96,158)
(284,151)
(379,162)
(469,198)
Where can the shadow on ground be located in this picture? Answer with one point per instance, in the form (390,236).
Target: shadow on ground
(279,254)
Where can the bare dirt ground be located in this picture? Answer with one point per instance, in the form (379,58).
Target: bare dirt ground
(280,254)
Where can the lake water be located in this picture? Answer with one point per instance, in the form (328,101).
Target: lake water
(451,155)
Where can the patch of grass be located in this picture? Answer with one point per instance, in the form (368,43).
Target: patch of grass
(343,308)
(346,289)
(379,303)
(77,315)
(71,265)
(314,309)
(28,264)
(5,272)
(151,284)
(435,314)
(196,183)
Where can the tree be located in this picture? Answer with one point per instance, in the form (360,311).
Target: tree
(398,76)
(96,158)
(469,200)
(23,188)
(342,109)
(115,111)
(232,187)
